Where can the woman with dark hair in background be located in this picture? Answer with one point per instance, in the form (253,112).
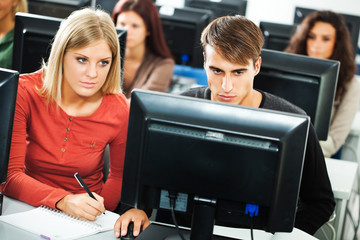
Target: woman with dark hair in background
(324,34)
(148,60)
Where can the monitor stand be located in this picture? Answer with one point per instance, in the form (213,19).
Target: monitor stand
(166,232)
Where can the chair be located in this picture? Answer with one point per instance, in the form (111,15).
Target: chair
(8,90)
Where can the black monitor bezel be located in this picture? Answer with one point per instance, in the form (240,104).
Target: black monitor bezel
(197,19)
(220,8)
(56,8)
(8,79)
(326,71)
(276,31)
(26,23)
(149,107)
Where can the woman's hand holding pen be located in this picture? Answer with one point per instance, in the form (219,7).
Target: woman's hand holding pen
(82,205)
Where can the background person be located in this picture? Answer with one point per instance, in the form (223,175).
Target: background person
(8,9)
(148,62)
(66,113)
(324,34)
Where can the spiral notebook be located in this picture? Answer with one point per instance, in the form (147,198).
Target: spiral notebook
(54,224)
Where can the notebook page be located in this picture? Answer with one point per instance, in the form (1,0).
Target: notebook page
(54,224)
(107,221)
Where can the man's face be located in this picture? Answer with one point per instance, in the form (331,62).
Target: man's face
(230,82)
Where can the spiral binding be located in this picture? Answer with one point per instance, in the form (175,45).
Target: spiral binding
(69,217)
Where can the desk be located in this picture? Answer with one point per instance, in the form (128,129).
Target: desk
(7,232)
(342,176)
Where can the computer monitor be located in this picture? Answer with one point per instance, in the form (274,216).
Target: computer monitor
(56,8)
(352,21)
(276,35)
(216,157)
(309,83)
(182,29)
(220,8)
(33,36)
(107,5)
(8,89)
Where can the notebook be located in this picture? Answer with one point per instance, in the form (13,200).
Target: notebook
(54,224)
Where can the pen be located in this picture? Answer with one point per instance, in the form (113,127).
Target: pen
(83,185)
(44,236)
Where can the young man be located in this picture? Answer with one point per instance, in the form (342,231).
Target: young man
(232,46)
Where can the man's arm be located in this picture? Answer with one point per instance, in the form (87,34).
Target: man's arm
(316,198)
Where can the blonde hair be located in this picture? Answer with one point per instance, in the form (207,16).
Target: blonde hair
(21,6)
(80,29)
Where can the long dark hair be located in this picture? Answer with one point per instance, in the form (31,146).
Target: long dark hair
(155,42)
(342,52)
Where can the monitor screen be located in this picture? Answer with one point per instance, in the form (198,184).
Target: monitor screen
(182,29)
(277,36)
(33,36)
(220,8)
(56,8)
(32,40)
(8,89)
(352,21)
(194,148)
(309,83)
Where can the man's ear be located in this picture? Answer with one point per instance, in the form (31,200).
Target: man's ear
(257,66)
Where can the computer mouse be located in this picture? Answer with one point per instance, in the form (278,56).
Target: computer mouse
(129,235)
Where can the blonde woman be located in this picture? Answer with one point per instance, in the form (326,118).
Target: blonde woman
(66,113)
(8,9)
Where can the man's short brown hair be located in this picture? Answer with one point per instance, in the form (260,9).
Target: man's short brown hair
(235,38)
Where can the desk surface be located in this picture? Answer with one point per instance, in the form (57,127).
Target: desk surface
(12,206)
(342,175)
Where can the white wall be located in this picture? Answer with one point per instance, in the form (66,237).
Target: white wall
(282,11)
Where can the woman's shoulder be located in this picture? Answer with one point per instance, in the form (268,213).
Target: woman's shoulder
(353,88)
(117,101)
(355,82)
(30,81)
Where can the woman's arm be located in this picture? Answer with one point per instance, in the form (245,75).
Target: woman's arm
(160,77)
(316,198)
(111,191)
(342,119)
(20,185)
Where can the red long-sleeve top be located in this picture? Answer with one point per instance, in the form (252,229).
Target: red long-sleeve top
(48,146)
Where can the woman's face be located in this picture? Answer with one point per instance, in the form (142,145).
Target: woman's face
(85,70)
(320,42)
(5,8)
(135,26)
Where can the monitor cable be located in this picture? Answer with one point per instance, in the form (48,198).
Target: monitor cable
(252,228)
(173,197)
(252,210)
